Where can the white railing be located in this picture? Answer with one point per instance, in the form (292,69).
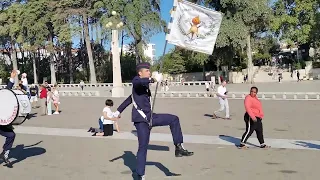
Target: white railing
(195,83)
(80,93)
(241,95)
(192,83)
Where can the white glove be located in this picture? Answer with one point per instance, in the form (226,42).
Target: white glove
(158,77)
(116,114)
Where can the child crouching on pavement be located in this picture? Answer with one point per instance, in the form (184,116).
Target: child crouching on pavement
(108,119)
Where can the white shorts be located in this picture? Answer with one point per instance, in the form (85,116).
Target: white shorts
(33,99)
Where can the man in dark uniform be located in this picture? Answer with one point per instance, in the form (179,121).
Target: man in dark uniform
(141,115)
(7,131)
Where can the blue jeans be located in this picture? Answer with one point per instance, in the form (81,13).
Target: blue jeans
(100,124)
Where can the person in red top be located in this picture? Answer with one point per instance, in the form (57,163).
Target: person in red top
(43,100)
(253,118)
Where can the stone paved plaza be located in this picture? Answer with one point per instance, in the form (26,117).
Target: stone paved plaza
(58,146)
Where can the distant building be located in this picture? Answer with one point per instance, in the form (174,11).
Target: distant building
(149,51)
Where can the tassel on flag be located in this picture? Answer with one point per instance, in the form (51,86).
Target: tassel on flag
(193,27)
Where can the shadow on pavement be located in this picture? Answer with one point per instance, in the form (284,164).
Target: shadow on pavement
(130,161)
(307,144)
(208,115)
(22,152)
(234,140)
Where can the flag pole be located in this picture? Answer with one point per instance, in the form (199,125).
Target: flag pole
(157,86)
(161,64)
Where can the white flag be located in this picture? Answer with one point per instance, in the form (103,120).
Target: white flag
(194,27)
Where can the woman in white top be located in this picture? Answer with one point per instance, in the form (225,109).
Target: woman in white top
(56,98)
(108,119)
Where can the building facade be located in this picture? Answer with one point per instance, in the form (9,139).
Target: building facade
(149,51)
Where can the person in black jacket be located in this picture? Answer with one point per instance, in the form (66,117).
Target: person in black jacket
(7,130)
(142,113)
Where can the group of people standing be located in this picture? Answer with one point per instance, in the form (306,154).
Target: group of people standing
(48,95)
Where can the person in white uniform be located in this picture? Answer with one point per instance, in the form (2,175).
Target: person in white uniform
(223,101)
(25,83)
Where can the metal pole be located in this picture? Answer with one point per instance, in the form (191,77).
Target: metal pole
(161,66)
(157,86)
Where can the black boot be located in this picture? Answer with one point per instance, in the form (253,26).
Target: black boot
(4,157)
(180,151)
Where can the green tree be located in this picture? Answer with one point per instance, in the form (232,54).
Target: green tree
(173,63)
(242,20)
(10,27)
(294,20)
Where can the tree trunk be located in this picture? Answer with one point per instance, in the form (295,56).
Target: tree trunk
(249,63)
(53,60)
(71,64)
(93,78)
(38,61)
(97,32)
(137,51)
(14,62)
(35,77)
(52,68)
(204,71)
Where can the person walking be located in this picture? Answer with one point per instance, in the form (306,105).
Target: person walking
(253,118)
(223,101)
(81,85)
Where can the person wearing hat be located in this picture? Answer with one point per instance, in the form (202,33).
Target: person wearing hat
(141,115)
(7,130)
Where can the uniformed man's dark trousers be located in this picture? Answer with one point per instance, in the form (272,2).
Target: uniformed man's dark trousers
(143,132)
(10,136)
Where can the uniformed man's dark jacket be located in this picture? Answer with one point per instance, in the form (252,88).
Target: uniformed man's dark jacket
(141,94)
(5,128)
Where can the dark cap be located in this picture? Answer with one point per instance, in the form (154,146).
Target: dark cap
(144,65)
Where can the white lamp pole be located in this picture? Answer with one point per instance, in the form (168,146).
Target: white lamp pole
(117,90)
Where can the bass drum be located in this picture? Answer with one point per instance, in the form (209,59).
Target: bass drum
(15,107)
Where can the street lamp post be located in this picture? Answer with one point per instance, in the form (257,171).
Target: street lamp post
(117,90)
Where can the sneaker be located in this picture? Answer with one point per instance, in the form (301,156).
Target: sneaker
(263,146)
(242,146)
(56,113)
(142,177)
